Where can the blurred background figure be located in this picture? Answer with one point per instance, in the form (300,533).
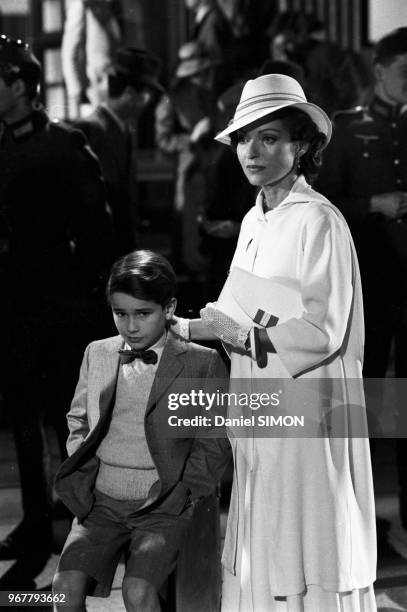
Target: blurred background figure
(365,174)
(54,247)
(184,126)
(132,85)
(92,35)
(248,19)
(335,78)
(214,33)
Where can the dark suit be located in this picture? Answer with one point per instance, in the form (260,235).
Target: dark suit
(186,466)
(111,142)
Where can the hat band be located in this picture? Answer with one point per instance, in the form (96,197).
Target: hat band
(245,108)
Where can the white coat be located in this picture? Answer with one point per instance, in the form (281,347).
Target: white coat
(302,509)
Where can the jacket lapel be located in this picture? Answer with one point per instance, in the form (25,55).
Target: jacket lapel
(109,372)
(170,366)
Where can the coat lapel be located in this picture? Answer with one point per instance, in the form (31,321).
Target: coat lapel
(109,370)
(170,366)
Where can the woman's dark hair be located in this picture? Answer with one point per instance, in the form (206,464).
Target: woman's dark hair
(144,275)
(301,128)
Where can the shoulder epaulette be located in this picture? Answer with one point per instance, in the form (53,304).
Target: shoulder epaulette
(349,113)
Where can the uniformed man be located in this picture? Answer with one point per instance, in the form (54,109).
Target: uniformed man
(365,174)
(54,243)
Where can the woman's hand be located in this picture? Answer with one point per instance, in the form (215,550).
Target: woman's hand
(180,327)
(224,327)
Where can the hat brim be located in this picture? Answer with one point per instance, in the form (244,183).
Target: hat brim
(190,67)
(318,116)
(138,80)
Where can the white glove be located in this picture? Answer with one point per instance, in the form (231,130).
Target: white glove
(224,327)
(180,327)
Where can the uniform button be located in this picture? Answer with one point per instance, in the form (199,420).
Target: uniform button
(394,125)
(396,143)
(397,161)
(365,154)
(398,181)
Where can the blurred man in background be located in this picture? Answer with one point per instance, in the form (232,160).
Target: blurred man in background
(54,245)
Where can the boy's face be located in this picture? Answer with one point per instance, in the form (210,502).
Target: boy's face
(140,322)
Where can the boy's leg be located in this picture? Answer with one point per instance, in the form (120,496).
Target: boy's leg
(73,585)
(156,540)
(139,594)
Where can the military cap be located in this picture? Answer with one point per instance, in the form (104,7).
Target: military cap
(18,61)
(394,43)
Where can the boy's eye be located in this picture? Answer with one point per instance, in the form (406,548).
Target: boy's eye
(118,314)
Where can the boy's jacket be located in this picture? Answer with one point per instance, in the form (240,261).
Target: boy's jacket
(188,468)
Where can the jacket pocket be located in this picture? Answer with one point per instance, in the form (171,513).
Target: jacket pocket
(176,500)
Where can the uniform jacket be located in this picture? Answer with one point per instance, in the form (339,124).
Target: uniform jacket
(54,224)
(366,156)
(112,144)
(187,467)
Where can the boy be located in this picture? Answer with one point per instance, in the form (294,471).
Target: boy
(130,488)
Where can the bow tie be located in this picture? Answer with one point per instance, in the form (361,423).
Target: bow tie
(129,356)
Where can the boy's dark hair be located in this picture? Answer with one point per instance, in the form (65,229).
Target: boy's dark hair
(301,128)
(389,46)
(144,275)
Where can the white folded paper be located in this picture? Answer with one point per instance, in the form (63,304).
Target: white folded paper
(250,299)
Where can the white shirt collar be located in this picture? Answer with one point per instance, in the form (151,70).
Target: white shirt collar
(137,367)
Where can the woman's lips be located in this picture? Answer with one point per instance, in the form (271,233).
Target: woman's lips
(255,168)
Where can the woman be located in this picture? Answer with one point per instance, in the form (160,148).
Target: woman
(301,526)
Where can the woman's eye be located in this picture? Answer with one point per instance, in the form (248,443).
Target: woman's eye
(241,138)
(269,139)
(119,314)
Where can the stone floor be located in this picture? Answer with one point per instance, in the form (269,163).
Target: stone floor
(391,585)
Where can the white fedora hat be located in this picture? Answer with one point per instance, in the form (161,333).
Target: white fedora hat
(268,94)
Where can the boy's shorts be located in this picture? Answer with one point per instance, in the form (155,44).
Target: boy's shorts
(151,542)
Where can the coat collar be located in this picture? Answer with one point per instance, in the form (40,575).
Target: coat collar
(301,193)
(384,110)
(34,122)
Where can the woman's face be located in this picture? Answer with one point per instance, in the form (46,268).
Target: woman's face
(265,152)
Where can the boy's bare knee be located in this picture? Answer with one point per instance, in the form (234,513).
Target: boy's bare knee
(73,585)
(139,594)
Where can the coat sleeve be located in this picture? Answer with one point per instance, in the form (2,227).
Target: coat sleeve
(73,48)
(77,416)
(90,218)
(326,292)
(209,456)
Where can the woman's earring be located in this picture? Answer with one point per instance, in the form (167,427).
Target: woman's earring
(297,161)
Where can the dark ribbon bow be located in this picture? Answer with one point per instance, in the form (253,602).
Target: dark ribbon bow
(149,356)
